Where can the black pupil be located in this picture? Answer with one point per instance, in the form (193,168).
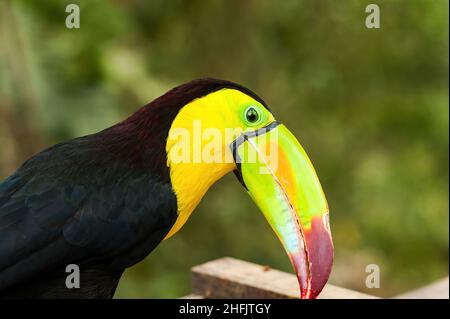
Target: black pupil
(252,115)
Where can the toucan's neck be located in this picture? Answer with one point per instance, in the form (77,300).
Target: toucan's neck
(139,142)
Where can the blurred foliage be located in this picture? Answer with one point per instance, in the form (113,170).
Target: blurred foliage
(369,105)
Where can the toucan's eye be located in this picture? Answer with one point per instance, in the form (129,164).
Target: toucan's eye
(252,115)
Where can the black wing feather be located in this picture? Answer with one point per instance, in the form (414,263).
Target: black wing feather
(52,215)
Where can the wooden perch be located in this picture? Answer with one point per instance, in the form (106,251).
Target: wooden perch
(437,290)
(232,278)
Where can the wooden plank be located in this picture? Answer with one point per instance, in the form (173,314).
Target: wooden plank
(192,296)
(437,290)
(232,278)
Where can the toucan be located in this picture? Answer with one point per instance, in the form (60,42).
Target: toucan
(104,201)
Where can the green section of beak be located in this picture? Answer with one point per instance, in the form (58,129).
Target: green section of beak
(280,178)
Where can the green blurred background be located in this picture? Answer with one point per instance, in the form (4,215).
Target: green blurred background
(369,105)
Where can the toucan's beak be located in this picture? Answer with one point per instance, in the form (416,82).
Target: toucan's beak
(274,168)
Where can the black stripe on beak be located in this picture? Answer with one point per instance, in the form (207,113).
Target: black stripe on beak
(241,139)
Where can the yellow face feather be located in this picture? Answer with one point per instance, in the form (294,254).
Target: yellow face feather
(198,152)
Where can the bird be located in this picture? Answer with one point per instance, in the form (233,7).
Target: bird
(104,201)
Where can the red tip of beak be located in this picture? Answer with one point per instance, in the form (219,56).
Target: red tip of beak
(319,256)
(320,253)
